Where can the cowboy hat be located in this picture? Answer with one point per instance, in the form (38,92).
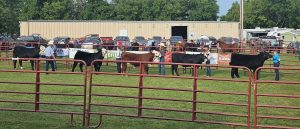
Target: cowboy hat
(179,42)
(51,42)
(162,44)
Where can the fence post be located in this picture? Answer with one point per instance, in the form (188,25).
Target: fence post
(37,86)
(85,93)
(249,96)
(194,110)
(140,97)
(90,98)
(255,97)
(0,51)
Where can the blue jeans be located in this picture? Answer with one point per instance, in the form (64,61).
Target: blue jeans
(51,63)
(161,67)
(118,65)
(208,71)
(276,71)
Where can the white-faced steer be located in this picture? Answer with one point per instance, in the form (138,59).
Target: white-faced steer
(88,58)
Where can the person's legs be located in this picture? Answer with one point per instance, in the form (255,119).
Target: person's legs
(52,65)
(55,65)
(159,69)
(47,65)
(208,72)
(118,65)
(162,70)
(276,65)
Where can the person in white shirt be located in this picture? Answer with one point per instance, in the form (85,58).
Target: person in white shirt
(207,54)
(119,55)
(49,53)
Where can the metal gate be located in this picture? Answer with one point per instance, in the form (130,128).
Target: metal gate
(275,102)
(137,102)
(38,91)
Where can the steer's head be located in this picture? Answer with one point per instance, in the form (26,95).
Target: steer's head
(202,57)
(104,51)
(156,53)
(266,55)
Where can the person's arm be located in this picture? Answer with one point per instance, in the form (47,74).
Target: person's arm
(162,53)
(52,53)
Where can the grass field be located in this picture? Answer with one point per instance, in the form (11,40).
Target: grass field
(13,120)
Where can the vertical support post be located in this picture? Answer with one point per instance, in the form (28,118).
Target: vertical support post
(249,98)
(84,92)
(37,86)
(6,52)
(194,113)
(140,97)
(241,19)
(0,52)
(255,99)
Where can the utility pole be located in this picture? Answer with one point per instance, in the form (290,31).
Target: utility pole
(27,17)
(241,19)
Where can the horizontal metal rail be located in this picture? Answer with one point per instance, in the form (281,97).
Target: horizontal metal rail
(277,95)
(37,93)
(142,98)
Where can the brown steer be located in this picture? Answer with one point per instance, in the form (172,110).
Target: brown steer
(147,57)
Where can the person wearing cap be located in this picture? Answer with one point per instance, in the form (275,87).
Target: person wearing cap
(161,67)
(119,55)
(49,53)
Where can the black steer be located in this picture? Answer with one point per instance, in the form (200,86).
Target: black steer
(250,61)
(186,58)
(89,58)
(25,52)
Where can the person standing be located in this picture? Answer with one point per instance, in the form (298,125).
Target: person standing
(49,53)
(207,54)
(161,67)
(119,55)
(276,63)
(54,48)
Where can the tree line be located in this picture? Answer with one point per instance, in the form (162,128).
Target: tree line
(263,13)
(267,13)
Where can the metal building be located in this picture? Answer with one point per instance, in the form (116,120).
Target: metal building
(148,29)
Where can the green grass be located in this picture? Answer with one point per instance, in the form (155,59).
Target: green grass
(13,120)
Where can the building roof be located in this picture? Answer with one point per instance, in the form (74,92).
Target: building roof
(129,21)
(295,32)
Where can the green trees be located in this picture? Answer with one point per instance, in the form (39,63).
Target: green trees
(263,13)
(95,10)
(13,11)
(233,13)
(57,10)
(192,10)
(267,13)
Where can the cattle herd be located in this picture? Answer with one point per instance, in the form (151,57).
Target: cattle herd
(250,61)
(178,55)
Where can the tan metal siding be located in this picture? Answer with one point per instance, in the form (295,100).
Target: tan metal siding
(77,29)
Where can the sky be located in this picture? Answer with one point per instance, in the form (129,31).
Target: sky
(224,6)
